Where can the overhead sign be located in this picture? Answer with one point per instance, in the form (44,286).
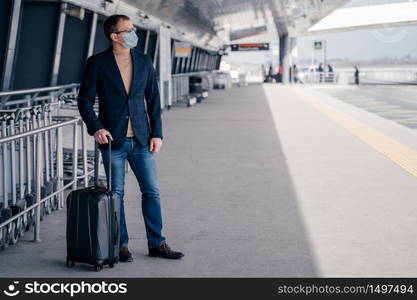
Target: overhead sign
(182,49)
(250,47)
(318,45)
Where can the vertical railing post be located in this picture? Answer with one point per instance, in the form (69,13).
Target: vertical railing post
(36,237)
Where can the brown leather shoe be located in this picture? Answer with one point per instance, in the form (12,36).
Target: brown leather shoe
(125,255)
(163,250)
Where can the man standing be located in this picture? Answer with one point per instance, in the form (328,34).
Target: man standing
(130,116)
(356,75)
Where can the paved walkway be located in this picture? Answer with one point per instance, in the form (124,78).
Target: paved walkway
(262,181)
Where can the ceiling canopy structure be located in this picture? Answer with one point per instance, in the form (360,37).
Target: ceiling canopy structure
(220,22)
(372,16)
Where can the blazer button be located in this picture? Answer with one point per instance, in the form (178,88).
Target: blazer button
(127,117)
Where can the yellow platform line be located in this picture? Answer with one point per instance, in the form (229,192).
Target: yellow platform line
(400,154)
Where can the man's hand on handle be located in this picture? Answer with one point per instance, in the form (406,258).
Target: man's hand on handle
(101,136)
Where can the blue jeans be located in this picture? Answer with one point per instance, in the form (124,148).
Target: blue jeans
(143,164)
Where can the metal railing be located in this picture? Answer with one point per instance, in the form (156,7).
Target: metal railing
(32,158)
(181,86)
(7,226)
(366,75)
(324,77)
(389,75)
(37,96)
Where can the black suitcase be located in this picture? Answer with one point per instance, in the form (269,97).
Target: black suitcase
(93,223)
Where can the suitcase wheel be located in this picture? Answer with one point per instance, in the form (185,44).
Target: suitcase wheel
(70,263)
(98,268)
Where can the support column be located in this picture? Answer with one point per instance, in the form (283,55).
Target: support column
(93,30)
(283,40)
(286,46)
(58,45)
(165,64)
(11,46)
(293,46)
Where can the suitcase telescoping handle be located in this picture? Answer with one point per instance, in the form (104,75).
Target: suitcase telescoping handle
(109,186)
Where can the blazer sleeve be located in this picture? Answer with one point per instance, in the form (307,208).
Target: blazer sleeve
(87,97)
(153,102)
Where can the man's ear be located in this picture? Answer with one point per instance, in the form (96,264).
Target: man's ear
(113,37)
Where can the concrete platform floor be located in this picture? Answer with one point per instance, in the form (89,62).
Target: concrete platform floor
(394,102)
(257,182)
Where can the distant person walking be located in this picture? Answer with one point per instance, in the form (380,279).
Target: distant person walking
(320,70)
(330,76)
(330,68)
(279,74)
(356,75)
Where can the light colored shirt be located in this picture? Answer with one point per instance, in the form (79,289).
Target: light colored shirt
(125,67)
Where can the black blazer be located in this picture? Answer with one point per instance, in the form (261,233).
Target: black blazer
(102,77)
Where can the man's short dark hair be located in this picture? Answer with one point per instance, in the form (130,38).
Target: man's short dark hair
(110,24)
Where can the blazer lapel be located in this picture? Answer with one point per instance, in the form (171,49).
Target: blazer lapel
(134,70)
(115,70)
(138,69)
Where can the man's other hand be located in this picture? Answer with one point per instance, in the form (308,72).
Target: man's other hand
(101,136)
(155,145)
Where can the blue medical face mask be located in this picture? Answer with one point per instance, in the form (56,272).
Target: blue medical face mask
(130,39)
